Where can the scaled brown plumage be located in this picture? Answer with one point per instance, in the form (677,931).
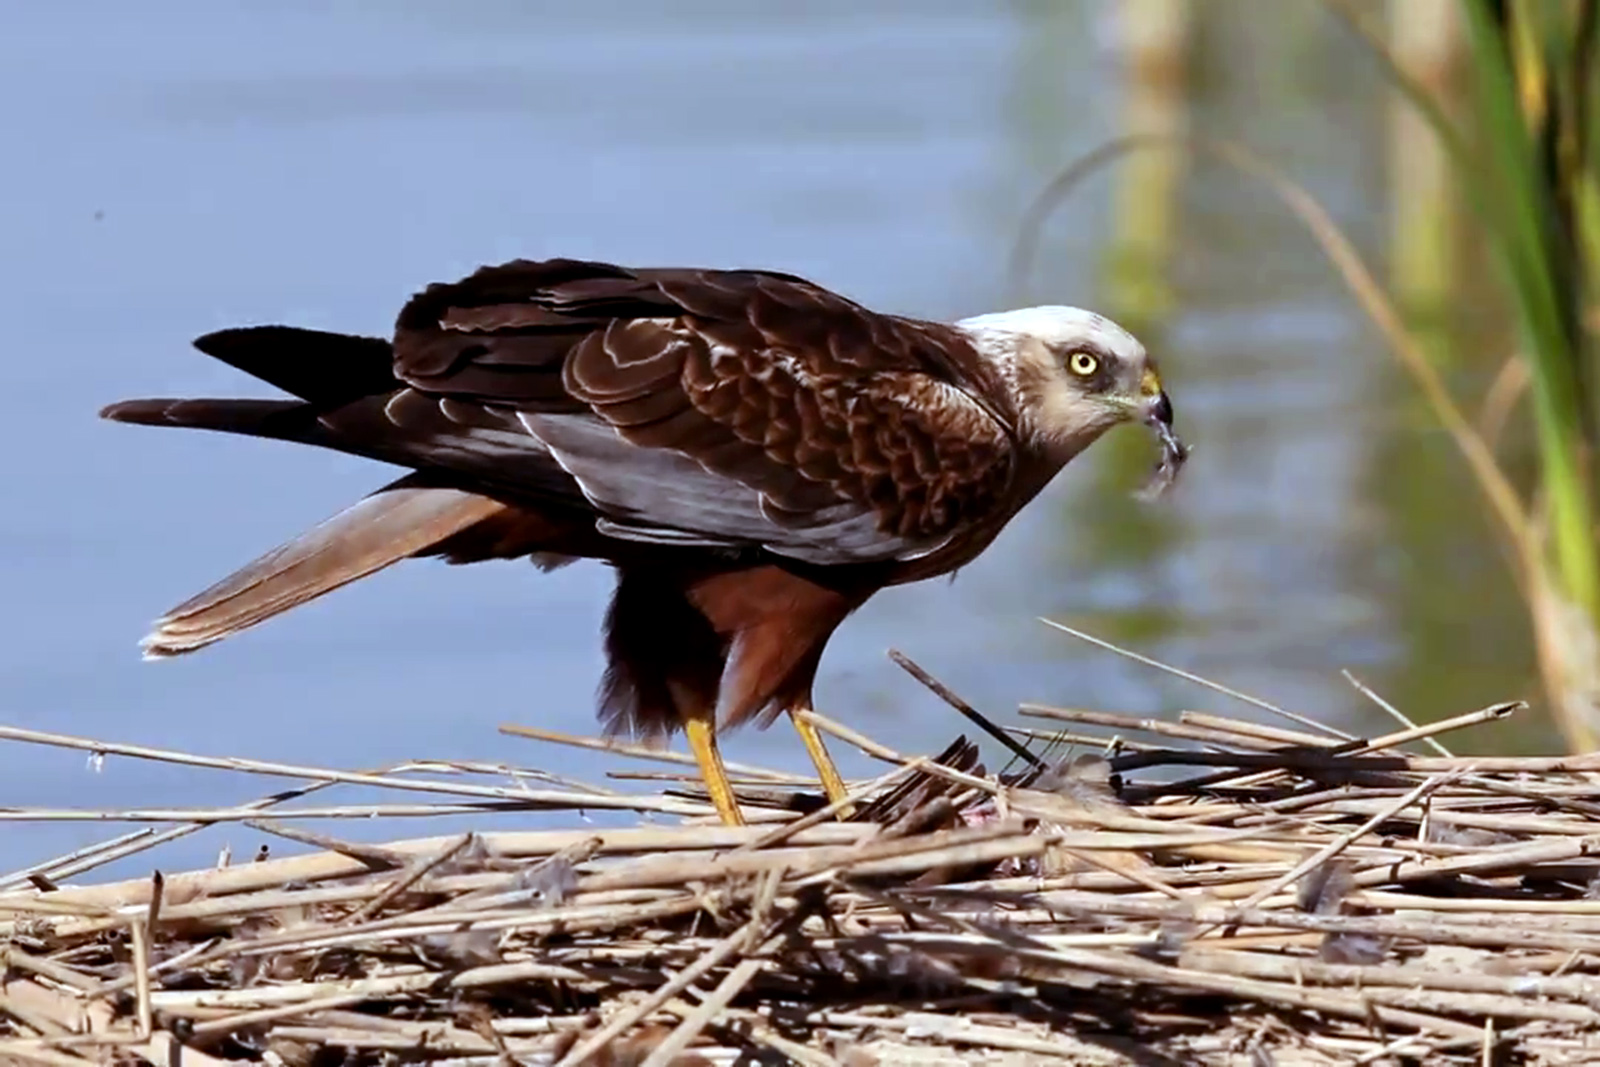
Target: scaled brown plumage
(755,455)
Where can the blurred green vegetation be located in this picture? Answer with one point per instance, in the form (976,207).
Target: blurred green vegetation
(1488,299)
(1520,143)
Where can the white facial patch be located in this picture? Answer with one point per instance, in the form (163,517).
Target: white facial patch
(1057,325)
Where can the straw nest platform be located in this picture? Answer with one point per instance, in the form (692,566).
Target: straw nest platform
(1221,891)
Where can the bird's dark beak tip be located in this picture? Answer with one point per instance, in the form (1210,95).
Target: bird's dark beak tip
(1161,411)
(1174,453)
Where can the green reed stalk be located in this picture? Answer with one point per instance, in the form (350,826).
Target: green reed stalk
(1524,193)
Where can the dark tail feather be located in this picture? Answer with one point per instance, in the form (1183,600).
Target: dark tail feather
(399,520)
(259,418)
(327,369)
(324,370)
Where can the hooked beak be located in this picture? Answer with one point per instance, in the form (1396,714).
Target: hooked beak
(1154,404)
(1157,410)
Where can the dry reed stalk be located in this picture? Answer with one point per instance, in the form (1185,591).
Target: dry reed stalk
(326,866)
(972,916)
(1195,679)
(1580,989)
(972,714)
(1426,932)
(671,987)
(1393,712)
(696,1020)
(1182,731)
(324,774)
(1107,745)
(1344,841)
(415,872)
(623,748)
(1257,731)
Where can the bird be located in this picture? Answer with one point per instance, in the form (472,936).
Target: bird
(753,454)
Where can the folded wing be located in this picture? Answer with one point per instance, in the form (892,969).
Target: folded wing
(722,408)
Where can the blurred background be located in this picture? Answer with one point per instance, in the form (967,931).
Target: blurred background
(177,166)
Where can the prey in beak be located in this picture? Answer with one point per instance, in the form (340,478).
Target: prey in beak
(1157,407)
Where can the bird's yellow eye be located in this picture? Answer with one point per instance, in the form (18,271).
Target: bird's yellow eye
(1083,364)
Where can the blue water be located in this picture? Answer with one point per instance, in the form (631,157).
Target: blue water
(174,167)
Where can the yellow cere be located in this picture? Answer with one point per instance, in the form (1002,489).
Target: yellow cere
(1150,385)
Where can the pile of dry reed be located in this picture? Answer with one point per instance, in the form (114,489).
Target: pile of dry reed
(1295,896)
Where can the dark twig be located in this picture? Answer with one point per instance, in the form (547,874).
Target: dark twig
(980,720)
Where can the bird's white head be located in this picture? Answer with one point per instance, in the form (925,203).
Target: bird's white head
(1075,375)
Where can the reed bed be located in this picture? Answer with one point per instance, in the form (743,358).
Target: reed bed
(1199,889)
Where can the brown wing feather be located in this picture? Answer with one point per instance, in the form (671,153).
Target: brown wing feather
(800,421)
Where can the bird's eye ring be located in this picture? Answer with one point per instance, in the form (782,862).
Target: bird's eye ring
(1083,364)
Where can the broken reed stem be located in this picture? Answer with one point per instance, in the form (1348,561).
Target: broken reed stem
(670,988)
(710,1008)
(141,976)
(418,870)
(1393,712)
(1204,683)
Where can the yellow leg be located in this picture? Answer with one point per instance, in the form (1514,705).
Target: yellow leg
(702,730)
(832,782)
